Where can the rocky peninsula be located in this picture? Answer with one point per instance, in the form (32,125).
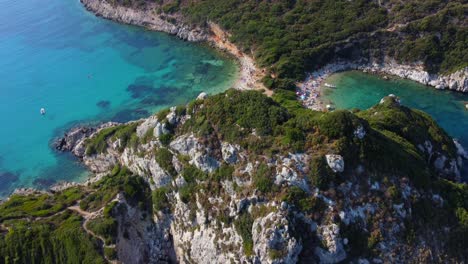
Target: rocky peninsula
(194,184)
(241,177)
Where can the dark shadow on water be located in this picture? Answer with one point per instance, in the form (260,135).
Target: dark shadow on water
(103,104)
(68,168)
(7,181)
(130,114)
(42,183)
(139,90)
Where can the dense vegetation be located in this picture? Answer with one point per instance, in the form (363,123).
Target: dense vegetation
(395,132)
(290,37)
(59,239)
(41,227)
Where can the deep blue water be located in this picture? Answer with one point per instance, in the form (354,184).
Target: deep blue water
(80,68)
(359,90)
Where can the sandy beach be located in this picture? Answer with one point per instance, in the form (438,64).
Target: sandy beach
(309,91)
(249,75)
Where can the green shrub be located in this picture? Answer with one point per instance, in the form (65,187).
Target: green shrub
(223,173)
(277,253)
(462,217)
(294,138)
(110,253)
(97,144)
(394,194)
(165,139)
(320,174)
(127,135)
(164,159)
(303,201)
(39,205)
(160,199)
(171,7)
(161,115)
(249,109)
(191,174)
(187,192)
(358,239)
(135,189)
(105,227)
(244,228)
(263,179)
(58,239)
(108,210)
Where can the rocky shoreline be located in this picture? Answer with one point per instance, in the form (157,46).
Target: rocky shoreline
(249,76)
(310,88)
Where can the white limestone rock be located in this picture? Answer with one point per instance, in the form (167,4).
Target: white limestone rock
(202,96)
(229,152)
(189,145)
(335,162)
(360,132)
(460,150)
(271,233)
(160,129)
(172,116)
(330,235)
(144,127)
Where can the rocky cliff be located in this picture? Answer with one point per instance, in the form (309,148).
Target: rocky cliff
(457,81)
(146,17)
(227,186)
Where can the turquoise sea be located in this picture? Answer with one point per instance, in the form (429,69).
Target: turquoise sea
(359,90)
(80,68)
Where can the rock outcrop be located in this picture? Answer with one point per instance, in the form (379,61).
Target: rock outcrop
(147,18)
(335,162)
(457,81)
(226,201)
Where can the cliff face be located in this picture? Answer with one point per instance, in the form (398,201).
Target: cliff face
(218,198)
(457,81)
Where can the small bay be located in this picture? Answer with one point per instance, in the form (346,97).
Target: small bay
(360,90)
(80,68)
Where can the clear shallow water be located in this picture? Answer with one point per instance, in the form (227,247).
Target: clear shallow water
(360,90)
(56,55)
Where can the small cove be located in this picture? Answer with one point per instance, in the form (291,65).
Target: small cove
(360,90)
(82,69)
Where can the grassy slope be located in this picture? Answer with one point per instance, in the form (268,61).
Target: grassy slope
(39,228)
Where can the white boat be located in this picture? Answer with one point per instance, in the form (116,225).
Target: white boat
(330,85)
(43,111)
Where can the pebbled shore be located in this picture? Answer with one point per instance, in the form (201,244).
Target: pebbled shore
(311,86)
